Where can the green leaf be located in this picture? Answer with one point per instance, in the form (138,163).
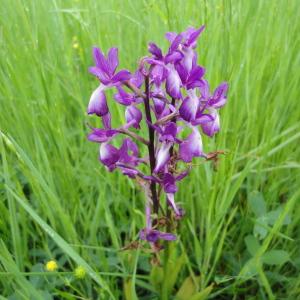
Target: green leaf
(273,215)
(251,268)
(257,203)
(275,257)
(156,276)
(173,269)
(187,289)
(128,291)
(261,227)
(203,294)
(252,244)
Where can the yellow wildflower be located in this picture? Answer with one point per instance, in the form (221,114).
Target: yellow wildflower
(51,266)
(80,272)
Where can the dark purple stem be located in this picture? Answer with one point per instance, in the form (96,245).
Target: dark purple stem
(151,149)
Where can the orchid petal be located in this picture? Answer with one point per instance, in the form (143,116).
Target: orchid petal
(194,36)
(169,183)
(106,121)
(101,135)
(169,133)
(100,60)
(123,97)
(122,75)
(171,202)
(175,43)
(182,72)
(173,83)
(109,155)
(189,107)
(212,127)
(137,79)
(153,236)
(113,60)
(97,104)
(157,74)
(204,88)
(191,147)
(102,76)
(203,118)
(134,115)
(170,36)
(155,51)
(173,57)
(188,59)
(162,156)
(196,74)
(219,97)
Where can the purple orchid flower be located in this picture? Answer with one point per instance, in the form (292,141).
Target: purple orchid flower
(106,67)
(153,235)
(167,94)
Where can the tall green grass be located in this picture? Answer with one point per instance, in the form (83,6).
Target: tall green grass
(240,236)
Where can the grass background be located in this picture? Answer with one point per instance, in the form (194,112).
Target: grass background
(240,237)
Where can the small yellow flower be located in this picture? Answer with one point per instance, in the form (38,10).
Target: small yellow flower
(80,272)
(75,45)
(51,266)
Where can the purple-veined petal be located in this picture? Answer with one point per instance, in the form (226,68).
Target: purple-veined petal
(171,202)
(100,60)
(191,41)
(109,155)
(99,135)
(188,59)
(170,36)
(159,105)
(167,236)
(169,183)
(106,121)
(155,51)
(219,97)
(153,236)
(166,111)
(173,83)
(169,133)
(149,235)
(102,76)
(212,127)
(182,72)
(137,79)
(195,75)
(157,74)
(189,106)
(187,32)
(191,147)
(175,43)
(133,115)
(129,153)
(97,104)
(132,147)
(122,75)
(123,97)
(131,173)
(162,157)
(113,60)
(173,57)
(202,118)
(204,88)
